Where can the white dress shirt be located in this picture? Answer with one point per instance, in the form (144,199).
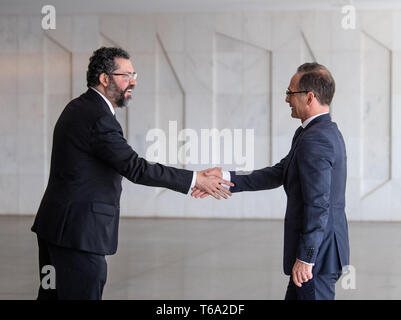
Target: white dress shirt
(105,99)
(113,112)
(307,121)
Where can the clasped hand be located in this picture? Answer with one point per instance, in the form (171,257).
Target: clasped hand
(209,182)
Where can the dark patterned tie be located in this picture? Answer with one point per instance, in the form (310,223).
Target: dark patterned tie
(296,135)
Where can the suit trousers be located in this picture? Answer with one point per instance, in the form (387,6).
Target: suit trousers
(79,275)
(320,287)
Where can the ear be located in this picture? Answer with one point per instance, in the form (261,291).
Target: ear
(104,79)
(310,96)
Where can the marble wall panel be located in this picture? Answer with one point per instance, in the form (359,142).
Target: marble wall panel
(8,67)
(170,103)
(9,114)
(171,29)
(58,88)
(208,70)
(140,33)
(242,98)
(8,155)
(8,34)
(376,113)
(9,186)
(30,192)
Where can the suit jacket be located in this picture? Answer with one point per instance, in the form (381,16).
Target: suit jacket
(80,207)
(314,178)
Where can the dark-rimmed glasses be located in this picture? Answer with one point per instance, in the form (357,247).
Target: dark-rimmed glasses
(127,76)
(288,92)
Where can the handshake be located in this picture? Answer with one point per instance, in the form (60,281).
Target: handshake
(210,182)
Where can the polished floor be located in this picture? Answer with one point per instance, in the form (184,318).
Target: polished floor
(206,259)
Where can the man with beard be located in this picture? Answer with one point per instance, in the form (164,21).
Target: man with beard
(77,221)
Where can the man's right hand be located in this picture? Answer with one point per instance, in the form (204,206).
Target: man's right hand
(212,173)
(216,171)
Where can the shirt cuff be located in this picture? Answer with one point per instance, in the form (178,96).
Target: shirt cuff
(192,183)
(311,264)
(226,176)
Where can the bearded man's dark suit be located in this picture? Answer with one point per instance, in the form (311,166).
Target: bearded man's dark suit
(77,221)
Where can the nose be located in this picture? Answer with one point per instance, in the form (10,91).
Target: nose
(132,82)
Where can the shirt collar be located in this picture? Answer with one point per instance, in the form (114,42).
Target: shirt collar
(307,121)
(105,99)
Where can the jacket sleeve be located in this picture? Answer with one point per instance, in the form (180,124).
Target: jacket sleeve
(109,145)
(315,160)
(262,179)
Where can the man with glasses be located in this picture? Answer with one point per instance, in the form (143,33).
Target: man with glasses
(77,221)
(313,174)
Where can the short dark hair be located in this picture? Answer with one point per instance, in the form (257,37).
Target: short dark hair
(317,79)
(102,61)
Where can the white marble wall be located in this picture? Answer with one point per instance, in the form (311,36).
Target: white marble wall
(208,70)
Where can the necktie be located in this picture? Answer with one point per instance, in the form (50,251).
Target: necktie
(296,135)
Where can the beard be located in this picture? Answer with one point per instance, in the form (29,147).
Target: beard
(118,95)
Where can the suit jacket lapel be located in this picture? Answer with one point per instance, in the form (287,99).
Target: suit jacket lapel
(99,101)
(297,139)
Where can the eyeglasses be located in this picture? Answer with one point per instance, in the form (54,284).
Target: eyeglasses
(289,92)
(127,76)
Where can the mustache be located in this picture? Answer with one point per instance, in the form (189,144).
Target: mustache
(130,87)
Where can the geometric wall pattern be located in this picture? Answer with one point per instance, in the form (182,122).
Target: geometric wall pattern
(202,71)
(243,87)
(57,87)
(376,114)
(170,104)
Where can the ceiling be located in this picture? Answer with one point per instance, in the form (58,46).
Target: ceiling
(63,7)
